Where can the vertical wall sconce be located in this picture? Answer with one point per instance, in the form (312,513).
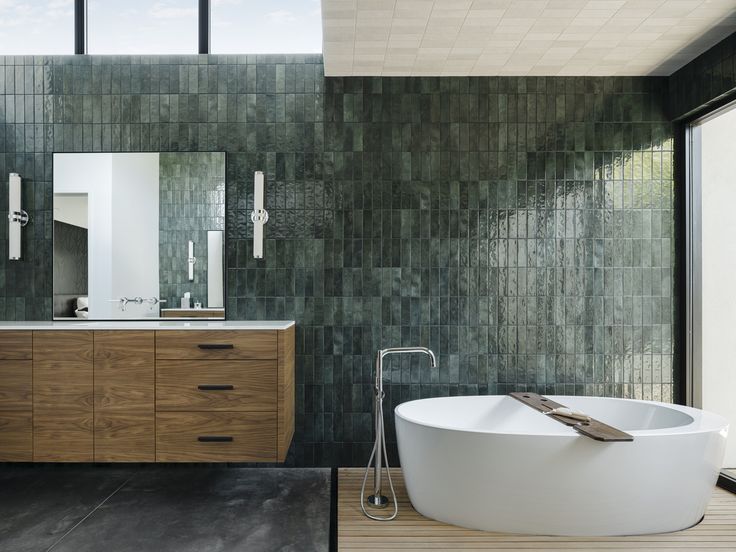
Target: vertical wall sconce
(17,217)
(191,260)
(259,215)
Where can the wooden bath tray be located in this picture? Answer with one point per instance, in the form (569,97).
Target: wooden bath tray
(590,428)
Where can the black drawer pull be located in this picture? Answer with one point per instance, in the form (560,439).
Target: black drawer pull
(214,439)
(214,346)
(215,387)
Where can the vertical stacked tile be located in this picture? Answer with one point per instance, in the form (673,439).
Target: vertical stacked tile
(706,80)
(521,227)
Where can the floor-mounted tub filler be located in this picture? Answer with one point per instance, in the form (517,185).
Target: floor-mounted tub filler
(493,463)
(379,459)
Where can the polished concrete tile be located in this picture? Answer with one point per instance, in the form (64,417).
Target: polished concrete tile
(39,504)
(210,509)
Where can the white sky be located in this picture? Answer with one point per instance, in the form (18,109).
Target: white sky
(161,26)
(266,26)
(36,27)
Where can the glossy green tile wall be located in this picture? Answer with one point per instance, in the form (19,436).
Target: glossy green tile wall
(704,81)
(521,227)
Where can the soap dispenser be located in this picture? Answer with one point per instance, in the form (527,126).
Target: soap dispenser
(186,301)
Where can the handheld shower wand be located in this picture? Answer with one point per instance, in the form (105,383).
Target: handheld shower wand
(378,457)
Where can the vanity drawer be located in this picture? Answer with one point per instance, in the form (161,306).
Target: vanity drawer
(215,437)
(227,385)
(16,345)
(216,344)
(16,436)
(16,385)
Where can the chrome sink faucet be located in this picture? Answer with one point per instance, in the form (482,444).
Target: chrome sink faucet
(137,300)
(378,454)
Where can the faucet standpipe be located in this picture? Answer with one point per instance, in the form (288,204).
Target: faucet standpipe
(379,454)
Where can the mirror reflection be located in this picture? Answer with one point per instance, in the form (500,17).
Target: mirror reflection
(139,235)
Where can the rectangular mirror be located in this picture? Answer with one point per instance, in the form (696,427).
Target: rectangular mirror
(139,235)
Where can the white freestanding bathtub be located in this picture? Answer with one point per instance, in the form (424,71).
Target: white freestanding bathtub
(493,463)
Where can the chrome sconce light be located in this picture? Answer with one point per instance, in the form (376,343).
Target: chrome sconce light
(259,216)
(17,217)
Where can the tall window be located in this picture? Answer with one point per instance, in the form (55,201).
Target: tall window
(36,27)
(266,26)
(142,27)
(711,265)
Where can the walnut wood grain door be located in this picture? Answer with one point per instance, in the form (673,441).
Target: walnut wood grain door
(124,396)
(16,405)
(63,396)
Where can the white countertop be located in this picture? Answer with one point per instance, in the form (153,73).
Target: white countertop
(148,325)
(208,309)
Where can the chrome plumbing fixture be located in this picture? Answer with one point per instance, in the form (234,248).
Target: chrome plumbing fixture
(378,454)
(137,300)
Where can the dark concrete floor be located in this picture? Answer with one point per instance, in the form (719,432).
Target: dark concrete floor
(163,508)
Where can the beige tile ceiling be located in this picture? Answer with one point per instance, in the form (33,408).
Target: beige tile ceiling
(519,37)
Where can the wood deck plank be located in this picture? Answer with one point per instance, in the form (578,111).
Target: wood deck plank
(412,531)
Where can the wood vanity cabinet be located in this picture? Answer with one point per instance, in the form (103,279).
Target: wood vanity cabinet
(146,395)
(223,395)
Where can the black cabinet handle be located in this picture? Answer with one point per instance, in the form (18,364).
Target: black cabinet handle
(214,439)
(211,346)
(215,387)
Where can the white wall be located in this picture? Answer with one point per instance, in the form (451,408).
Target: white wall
(719,271)
(135,199)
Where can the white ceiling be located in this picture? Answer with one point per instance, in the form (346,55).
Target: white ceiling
(519,37)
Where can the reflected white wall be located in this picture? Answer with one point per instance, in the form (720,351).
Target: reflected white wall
(134,234)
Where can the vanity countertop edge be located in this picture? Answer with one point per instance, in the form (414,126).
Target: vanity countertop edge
(148,325)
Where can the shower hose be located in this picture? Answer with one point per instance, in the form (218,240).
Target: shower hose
(378,447)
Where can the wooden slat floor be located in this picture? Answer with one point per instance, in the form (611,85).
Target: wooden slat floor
(411,531)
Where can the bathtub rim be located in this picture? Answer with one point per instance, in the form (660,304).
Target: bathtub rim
(701,421)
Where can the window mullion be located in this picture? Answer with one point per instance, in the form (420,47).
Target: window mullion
(204,26)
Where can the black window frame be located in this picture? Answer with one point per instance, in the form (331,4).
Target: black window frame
(80,26)
(81,21)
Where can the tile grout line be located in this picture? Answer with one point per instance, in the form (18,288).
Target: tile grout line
(90,513)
